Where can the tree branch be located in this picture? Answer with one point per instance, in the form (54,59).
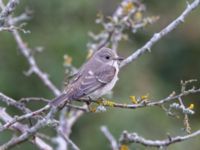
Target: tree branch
(158,36)
(147,103)
(127,138)
(109,136)
(12,102)
(31,131)
(66,123)
(22,117)
(25,50)
(33,65)
(23,128)
(69,141)
(10,7)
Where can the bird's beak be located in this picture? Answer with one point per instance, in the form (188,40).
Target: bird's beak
(119,58)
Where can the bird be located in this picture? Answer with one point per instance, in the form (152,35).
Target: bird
(94,79)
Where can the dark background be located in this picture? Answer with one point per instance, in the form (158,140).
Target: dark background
(61,27)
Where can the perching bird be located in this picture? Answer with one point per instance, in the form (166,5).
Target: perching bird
(94,79)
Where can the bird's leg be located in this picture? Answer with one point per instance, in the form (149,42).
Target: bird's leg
(89,101)
(88,104)
(100,100)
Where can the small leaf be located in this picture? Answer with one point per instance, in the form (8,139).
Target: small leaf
(108,103)
(191,106)
(145,97)
(124,147)
(133,99)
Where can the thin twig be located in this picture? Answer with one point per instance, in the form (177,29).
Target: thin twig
(23,17)
(109,136)
(23,137)
(12,102)
(69,141)
(148,103)
(22,128)
(29,99)
(22,117)
(33,65)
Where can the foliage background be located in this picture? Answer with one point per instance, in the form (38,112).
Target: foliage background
(61,27)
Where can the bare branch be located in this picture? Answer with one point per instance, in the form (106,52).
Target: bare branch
(68,118)
(23,137)
(25,50)
(9,8)
(66,123)
(127,138)
(33,65)
(29,99)
(26,116)
(64,130)
(23,17)
(158,36)
(114,26)
(7,28)
(66,138)
(109,136)
(148,103)
(75,116)
(12,102)
(22,128)
(186,118)
(41,99)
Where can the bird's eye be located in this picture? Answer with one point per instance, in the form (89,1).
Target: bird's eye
(107,57)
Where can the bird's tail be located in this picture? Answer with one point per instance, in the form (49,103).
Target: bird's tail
(59,100)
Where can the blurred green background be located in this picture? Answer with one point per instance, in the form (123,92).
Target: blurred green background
(61,27)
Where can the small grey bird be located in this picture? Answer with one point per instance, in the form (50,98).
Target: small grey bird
(94,79)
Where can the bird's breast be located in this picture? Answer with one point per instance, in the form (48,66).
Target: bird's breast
(108,87)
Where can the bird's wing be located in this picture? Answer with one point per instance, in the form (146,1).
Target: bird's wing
(59,100)
(92,81)
(65,96)
(85,83)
